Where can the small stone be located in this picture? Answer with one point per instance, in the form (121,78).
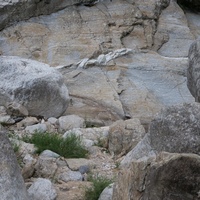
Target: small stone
(84,169)
(42,189)
(48,153)
(28,121)
(6,119)
(53,120)
(16,109)
(69,122)
(36,128)
(70,176)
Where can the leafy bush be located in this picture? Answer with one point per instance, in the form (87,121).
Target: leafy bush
(99,183)
(69,147)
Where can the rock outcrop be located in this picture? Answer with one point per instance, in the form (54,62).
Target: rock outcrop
(166,176)
(11,11)
(11,182)
(119,60)
(176,129)
(148,173)
(77,31)
(135,85)
(193,74)
(34,86)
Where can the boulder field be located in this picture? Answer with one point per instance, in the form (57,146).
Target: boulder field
(121,75)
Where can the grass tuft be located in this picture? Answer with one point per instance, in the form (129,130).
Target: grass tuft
(69,147)
(99,183)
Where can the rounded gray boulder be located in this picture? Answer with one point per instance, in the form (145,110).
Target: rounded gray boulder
(37,87)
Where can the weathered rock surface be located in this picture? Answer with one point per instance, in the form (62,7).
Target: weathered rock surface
(42,189)
(193,74)
(36,128)
(167,176)
(69,122)
(81,37)
(46,167)
(68,175)
(93,98)
(10,11)
(142,149)
(176,129)
(173,36)
(11,182)
(124,135)
(107,193)
(28,121)
(136,85)
(28,83)
(71,34)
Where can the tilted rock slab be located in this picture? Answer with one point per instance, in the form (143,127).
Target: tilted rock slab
(193,72)
(12,185)
(167,176)
(34,85)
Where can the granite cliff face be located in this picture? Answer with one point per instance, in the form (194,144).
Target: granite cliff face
(59,33)
(137,85)
(119,60)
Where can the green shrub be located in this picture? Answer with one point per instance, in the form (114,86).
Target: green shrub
(99,183)
(69,147)
(16,148)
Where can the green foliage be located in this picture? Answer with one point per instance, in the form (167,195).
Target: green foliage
(15,147)
(99,183)
(69,147)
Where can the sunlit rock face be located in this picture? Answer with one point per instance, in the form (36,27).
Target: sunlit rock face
(138,84)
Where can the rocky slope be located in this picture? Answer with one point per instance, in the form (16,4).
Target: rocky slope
(116,60)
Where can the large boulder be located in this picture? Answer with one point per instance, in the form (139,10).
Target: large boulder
(35,86)
(176,129)
(167,176)
(12,185)
(193,72)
